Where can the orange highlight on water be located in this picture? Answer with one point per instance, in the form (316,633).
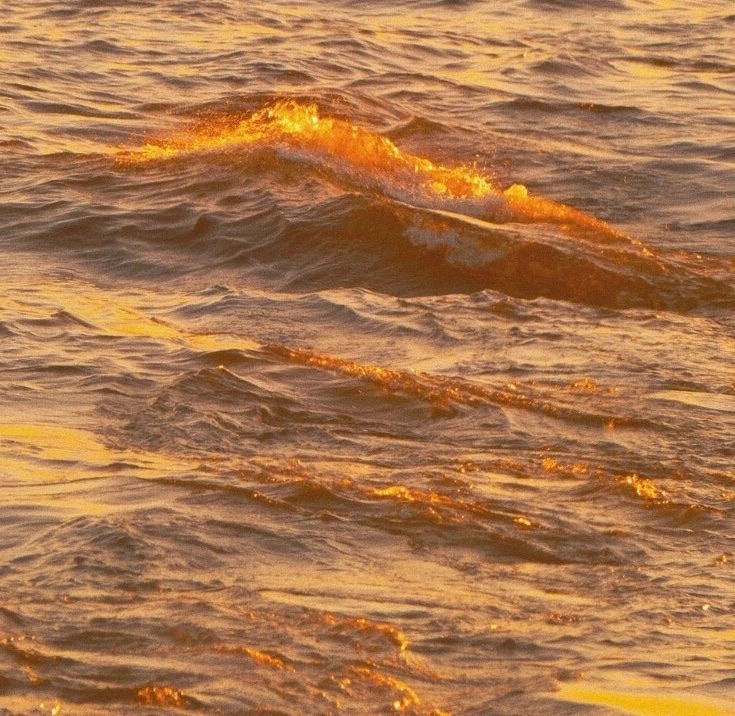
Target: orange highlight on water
(374,161)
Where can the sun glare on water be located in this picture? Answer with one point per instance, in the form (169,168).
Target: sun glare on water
(374,160)
(300,126)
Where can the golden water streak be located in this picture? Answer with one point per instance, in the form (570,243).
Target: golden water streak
(647,704)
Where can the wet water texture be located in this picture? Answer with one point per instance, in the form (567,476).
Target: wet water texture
(367,358)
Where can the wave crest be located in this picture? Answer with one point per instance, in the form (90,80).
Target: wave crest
(373,162)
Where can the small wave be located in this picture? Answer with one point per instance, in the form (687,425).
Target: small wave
(670,503)
(446,393)
(456,516)
(101,46)
(75,110)
(15,145)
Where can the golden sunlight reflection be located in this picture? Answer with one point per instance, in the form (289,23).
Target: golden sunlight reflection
(647,704)
(301,126)
(119,315)
(376,159)
(256,655)
(161,696)
(40,450)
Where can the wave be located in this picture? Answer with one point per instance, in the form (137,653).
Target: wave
(409,225)
(371,161)
(446,393)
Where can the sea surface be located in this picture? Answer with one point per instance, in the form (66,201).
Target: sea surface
(367,357)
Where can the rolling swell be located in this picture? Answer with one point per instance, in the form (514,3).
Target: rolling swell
(415,225)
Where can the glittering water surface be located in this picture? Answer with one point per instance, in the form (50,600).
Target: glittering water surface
(367,357)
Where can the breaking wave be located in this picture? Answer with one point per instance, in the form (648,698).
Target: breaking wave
(453,225)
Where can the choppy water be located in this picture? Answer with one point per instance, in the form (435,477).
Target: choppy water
(367,357)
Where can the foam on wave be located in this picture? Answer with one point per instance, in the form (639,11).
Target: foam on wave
(374,162)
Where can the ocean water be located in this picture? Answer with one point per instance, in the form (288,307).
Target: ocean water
(367,357)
